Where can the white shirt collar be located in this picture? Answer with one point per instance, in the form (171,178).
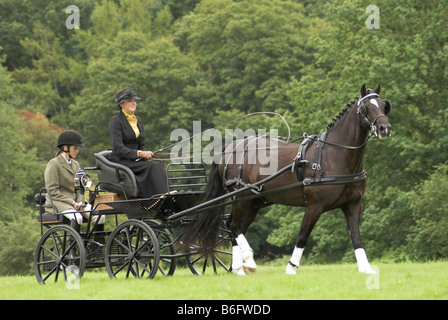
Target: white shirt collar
(68,161)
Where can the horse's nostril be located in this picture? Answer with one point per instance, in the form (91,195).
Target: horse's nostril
(384,130)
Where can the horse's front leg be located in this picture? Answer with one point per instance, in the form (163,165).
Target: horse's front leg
(312,214)
(352,214)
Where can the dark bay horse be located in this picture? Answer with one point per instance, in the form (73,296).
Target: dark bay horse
(337,153)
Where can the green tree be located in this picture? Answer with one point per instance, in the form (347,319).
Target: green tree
(248,50)
(20,171)
(54,78)
(19,167)
(428,239)
(155,69)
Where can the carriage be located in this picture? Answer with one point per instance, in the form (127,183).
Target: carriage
(146,242)
(322,173)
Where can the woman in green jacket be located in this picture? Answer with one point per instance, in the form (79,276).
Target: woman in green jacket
(59,181)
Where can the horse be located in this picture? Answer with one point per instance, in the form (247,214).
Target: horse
(326,174)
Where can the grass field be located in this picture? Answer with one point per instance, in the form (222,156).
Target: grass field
(395,281)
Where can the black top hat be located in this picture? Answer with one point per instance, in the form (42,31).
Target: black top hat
(124,95)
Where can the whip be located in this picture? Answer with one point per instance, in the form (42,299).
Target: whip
(229,122)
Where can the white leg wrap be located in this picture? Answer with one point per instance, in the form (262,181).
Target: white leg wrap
(363,263)
(247,253)
(237,261)
(242,242)
(294,262)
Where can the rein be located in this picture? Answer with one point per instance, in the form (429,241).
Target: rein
(362,115)
(342,146)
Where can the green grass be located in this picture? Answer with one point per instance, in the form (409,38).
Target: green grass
(396,281)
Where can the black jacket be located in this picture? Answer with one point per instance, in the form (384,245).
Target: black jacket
(150,175)
(124,142)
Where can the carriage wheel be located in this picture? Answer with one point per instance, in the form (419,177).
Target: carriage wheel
(219,261)
(167,265)
(60,252)
(132,249)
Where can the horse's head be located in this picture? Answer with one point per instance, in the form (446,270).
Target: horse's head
(373,112)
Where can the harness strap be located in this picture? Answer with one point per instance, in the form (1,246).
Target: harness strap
(299,161)
(254,188)
(318,154)
(340,179)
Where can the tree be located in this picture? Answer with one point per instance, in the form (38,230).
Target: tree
(428,239)
(54,78)
(155,69)
(20,171)
(249,50)
(19,167)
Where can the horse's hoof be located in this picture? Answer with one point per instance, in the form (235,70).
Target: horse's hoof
(367,271)
(250,270)
(239,271)
(249,262)
(291,270)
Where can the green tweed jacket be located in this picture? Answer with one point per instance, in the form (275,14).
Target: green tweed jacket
(59,180)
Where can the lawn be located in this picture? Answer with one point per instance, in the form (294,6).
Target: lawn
(395,281)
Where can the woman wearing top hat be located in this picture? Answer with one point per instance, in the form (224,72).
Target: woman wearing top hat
(129,147)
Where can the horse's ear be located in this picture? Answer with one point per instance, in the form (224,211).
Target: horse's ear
(363,90)
(378,89)
(387,106)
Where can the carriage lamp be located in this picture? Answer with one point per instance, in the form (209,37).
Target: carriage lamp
(82,182)
(82,179)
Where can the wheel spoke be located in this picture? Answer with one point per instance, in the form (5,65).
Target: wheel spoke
(59,248)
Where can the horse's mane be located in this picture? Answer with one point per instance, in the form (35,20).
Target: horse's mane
(341,114)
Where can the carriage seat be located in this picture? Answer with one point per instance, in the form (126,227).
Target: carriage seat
(47,218)
(115,176)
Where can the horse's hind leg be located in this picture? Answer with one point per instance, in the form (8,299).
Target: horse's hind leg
(243,214)
(312,214)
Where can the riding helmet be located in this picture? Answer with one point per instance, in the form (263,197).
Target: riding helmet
(70,138)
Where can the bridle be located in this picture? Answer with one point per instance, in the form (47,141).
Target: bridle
(299,160)
(362,116)
(362,112)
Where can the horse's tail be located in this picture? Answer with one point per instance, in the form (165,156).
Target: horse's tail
(204,229)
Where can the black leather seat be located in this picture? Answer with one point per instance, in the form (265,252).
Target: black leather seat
(47,218)
(115,177)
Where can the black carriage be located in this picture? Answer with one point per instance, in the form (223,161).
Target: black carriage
(147,242)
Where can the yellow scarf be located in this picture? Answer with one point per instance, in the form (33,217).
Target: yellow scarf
(133,122)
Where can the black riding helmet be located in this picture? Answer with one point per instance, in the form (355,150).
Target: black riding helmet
(70,138)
